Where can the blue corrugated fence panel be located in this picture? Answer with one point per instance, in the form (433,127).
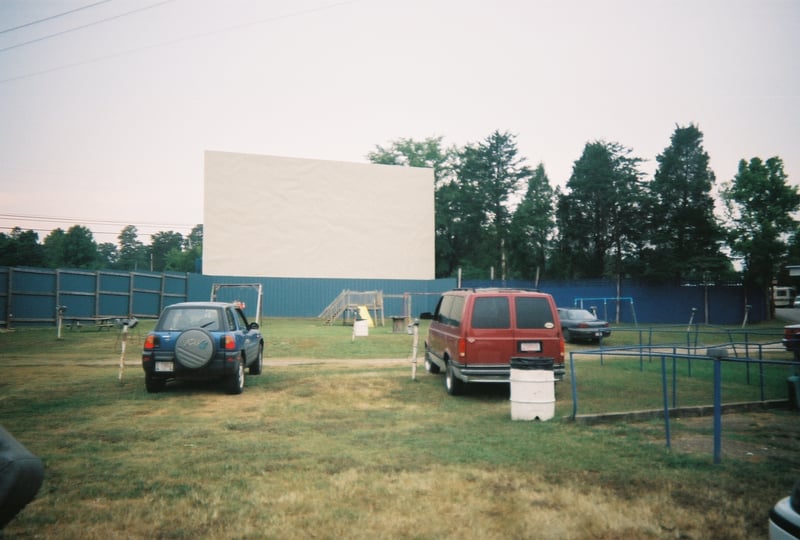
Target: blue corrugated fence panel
(77,281)
(117,282)
(30,293)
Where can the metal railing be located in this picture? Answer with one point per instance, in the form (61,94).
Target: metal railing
(717,354)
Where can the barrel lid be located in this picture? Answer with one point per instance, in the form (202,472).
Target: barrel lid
(539,362)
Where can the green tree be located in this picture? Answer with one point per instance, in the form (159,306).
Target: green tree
(186,259)
(80,249)
(161,245)
(411,153)
(194,240)
(107,255)
(21,248)
(488,175)
(458,228)
(29,251)
(532,227)
(5,250)
(600,218)
(133,255)
(54,248)
(684,235)
(760,205)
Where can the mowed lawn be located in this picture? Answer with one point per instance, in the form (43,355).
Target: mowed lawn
(335,440)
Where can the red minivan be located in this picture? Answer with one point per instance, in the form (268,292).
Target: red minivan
(474,333)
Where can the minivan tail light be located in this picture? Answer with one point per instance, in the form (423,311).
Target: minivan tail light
(462,348)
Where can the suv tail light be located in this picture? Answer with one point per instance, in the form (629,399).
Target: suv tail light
(228,342)
(151,342)
(462,348)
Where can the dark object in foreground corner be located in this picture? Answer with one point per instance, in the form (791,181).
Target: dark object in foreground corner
(21,475)
(784,517)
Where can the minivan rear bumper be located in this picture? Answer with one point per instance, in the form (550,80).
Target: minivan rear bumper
(493,373)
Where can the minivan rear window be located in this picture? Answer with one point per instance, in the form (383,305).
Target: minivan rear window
(533,312)
(491,312)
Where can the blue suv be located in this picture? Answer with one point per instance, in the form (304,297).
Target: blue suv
(201,341)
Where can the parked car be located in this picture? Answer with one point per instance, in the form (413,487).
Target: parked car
(474,333)
(201,341)
(791,338)
(582,324)
(783,296)
(784,517)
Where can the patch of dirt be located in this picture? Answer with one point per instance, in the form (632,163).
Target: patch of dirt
(752,436)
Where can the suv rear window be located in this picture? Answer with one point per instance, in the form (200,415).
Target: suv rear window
(491,312)
(179,319)
(533,312)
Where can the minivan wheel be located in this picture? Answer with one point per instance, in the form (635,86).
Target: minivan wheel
(430,367)
(453,384)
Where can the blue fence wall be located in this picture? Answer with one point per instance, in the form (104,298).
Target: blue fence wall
(307,297)
(666,304)
(31,295)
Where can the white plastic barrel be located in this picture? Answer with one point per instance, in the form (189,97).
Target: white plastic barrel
(533,389)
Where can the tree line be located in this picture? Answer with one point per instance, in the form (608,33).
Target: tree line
(76,248)
(497,215)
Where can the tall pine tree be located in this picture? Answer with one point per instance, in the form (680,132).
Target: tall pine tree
(685,238)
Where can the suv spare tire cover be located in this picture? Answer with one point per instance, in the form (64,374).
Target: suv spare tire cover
(194,348)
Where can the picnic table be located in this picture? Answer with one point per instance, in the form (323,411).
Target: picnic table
(100,323)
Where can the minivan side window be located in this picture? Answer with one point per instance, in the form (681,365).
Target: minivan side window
(533,312)
(437,312)
(491,312)
(450,309)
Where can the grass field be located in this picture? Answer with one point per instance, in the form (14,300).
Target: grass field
(335,440)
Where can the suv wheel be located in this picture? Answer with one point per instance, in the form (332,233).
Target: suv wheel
(154,384)
(234,383)
(255,367)
(453,384)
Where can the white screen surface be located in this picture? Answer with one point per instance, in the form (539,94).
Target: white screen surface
(273,216)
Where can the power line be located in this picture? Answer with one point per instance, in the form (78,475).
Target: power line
(179,40)
(48,231)
(61,219)
(87,25)
(51,17)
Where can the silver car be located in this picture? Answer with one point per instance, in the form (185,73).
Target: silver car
(582,325)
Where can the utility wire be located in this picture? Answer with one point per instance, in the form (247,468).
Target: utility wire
(51,17)
(87,25)
(58,219)
(179,40)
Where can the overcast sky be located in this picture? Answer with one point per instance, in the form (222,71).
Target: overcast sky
(105,112)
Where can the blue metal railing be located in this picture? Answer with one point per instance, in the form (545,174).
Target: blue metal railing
(717,354)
